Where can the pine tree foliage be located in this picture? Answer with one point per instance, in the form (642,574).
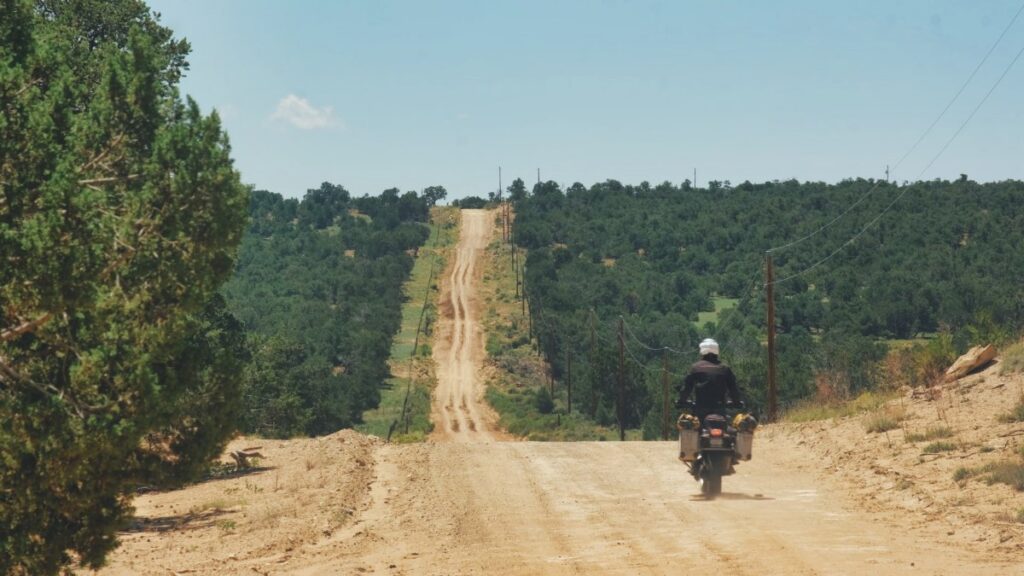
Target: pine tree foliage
(319,291)
(945,258)
(120,214)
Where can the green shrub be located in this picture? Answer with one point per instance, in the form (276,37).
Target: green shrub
(963,473)
(1010,473)
(543,401)
(940,446)
(493,346)
(932,433)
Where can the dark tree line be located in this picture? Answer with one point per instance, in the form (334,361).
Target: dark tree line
(318,288)
(949,257)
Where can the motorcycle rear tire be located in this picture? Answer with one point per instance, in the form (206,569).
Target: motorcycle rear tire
(711,485)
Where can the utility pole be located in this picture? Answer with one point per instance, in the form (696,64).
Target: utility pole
(529,316)
(515,266)
(552,349)
(622,383)
(501,204)
(593,337)
(538,175)
(568,380)
(522,293)
(769,284)
(886,173)
(664,396)
(695,178)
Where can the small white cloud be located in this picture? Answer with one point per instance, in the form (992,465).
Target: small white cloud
(300,113)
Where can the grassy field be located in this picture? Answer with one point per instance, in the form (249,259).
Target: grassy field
(721,305)
(403,365)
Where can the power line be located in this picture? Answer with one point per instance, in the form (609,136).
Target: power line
(829,223)
(907,188)
(963,86)
(651,348)
(975,111)
(916,143)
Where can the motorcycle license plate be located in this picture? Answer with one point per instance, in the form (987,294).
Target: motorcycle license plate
(716,442)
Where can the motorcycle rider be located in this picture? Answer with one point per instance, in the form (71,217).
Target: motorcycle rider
(712,381)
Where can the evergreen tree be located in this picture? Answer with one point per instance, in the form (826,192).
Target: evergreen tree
(120,213)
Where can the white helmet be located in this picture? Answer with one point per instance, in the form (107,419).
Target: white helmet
(708,346)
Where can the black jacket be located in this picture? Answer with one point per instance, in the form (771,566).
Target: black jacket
(713,383)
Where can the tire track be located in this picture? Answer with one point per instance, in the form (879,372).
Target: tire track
(459,411)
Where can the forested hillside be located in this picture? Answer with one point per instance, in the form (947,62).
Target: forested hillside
(944,260)
(318,289)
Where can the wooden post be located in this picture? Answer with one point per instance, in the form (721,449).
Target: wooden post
(664,396)
(769,283)
(550,357)
(522,293)
(621,408)
(515,266)
(593,337)
(529,316)
(568,382)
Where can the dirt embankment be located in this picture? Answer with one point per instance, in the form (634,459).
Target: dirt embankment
(909,474)
(293,504)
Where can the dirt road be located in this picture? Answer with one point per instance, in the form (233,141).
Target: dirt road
(616,508)
(460,413)
(598,508)
(466,503)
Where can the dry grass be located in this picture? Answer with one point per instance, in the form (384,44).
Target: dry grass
(1007,472)
(932,433)
(1014,415)
(937,447)
(816,410)
(885,420)
(1012,358)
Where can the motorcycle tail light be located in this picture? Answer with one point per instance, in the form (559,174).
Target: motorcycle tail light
(716,432)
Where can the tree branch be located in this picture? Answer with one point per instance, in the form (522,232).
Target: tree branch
(108,179)
(30,326)
(71,406)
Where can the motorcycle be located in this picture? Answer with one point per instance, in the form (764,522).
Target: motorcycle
(711,449)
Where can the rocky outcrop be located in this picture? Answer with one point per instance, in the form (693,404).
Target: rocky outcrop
(974,358)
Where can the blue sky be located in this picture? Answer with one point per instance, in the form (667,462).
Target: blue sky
(376,94)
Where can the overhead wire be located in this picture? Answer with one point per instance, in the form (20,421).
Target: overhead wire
(641,343)
(917,143)
(906,189)
(964,85)
(975,111)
